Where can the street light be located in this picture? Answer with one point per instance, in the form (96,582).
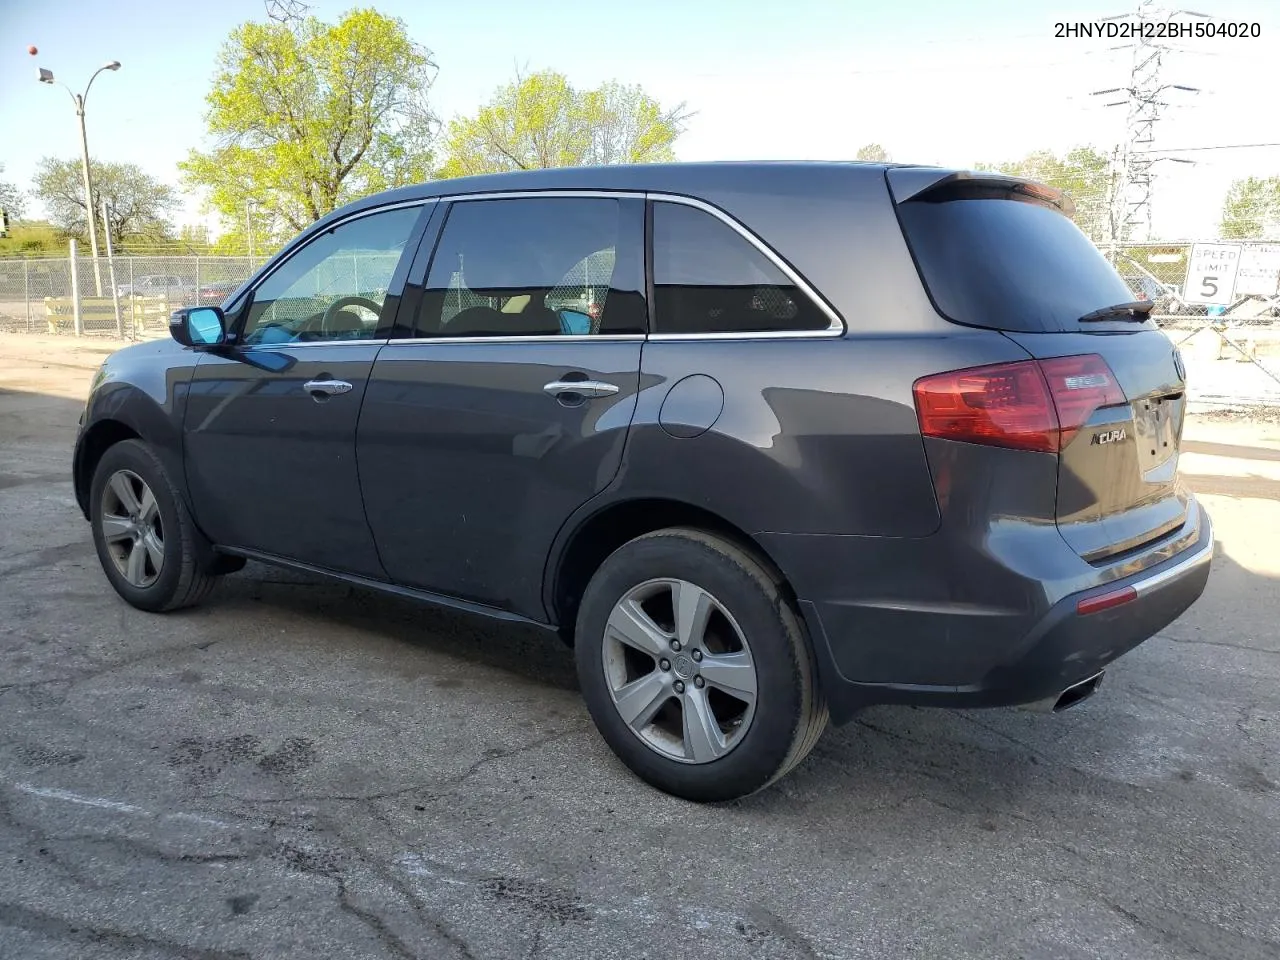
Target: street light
(46,76)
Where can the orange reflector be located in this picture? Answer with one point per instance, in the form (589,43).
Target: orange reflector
(1106,601)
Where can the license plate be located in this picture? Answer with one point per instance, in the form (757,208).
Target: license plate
(1155,424)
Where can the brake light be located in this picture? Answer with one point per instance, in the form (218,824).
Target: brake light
(1004,405)
(1026,405)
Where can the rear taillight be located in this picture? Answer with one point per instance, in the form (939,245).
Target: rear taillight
(1080,385)
(1027,405)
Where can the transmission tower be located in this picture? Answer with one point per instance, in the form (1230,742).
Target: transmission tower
(289,12)
(1130,206)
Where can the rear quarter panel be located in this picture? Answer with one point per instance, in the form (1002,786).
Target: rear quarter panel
(816,436)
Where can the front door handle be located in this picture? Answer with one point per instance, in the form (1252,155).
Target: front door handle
(583,388)
(326,388)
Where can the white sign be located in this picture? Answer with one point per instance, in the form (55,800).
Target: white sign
(1259,273)
(1211,273)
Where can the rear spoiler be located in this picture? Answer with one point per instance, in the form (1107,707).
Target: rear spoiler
(930,185)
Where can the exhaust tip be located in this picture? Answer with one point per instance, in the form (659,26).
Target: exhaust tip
(1077,693)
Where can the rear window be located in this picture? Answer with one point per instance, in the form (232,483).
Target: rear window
(1008,264)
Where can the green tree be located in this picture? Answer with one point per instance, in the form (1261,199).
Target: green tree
(12,200)
(270,233)
(873,153)
(1083,174)
(138,205)
(309,116)
(1251,209)
(542,121)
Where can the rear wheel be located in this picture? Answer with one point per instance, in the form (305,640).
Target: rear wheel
(146,540)
(695,668)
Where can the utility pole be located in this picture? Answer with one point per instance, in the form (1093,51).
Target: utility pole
(46,76)
(1130,212)
(88,196)
(248,227)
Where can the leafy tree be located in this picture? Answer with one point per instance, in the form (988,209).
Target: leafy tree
(873,153)
(138,204)
(270,233)
(1251,210)
(1083,174)
(12,200)
(542,121)
(308,116)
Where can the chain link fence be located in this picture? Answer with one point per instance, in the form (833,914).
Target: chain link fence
(1158,272)
(39,295)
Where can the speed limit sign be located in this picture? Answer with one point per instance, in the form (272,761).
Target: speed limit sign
(1211,273)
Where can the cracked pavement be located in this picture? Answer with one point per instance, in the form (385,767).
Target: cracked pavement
(301,770)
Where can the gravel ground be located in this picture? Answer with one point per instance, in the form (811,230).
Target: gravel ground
(302,770)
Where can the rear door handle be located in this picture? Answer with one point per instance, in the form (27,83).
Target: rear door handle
(326,388)
(584,388)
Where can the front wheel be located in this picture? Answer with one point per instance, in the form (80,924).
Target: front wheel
(146,540)
(695,668)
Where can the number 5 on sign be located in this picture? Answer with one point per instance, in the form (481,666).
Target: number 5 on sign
(1211,273)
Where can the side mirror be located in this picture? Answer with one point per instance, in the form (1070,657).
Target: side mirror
(198,326)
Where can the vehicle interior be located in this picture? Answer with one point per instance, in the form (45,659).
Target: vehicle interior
(508,299)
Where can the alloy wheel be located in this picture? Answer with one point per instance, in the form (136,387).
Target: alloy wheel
(679,670)
(132,528)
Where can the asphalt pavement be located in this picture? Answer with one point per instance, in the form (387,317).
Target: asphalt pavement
(304,770)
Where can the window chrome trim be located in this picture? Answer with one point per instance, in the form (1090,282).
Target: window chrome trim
(535,194)
(540,338)
(288,345)
(835,327)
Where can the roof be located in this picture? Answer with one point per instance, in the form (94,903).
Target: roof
(684,178)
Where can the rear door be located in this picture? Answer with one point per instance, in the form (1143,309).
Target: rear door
(507,405)
(1003,255)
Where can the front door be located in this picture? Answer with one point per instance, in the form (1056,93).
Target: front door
(270,426)
(509,407)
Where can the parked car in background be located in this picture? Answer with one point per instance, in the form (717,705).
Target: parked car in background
(1146,288)
(170,287)
(216,293)
(1167,298)
(766,443)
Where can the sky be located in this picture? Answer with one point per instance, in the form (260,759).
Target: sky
(935,82)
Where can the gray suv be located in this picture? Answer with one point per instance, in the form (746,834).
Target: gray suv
(765,443)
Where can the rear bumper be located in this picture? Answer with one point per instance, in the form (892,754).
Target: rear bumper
(958,655)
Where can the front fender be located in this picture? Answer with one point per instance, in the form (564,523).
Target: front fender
(140,391)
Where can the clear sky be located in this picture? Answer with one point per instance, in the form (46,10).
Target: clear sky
(934,81)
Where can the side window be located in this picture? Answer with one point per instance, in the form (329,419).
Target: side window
(334,287)
(708,278)
(538,266)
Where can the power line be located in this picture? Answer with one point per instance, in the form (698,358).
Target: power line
(1220,146)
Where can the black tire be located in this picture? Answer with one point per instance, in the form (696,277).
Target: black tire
(183,579)
(790,713)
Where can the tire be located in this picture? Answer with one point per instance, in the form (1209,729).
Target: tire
(755,740)
(165,531)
